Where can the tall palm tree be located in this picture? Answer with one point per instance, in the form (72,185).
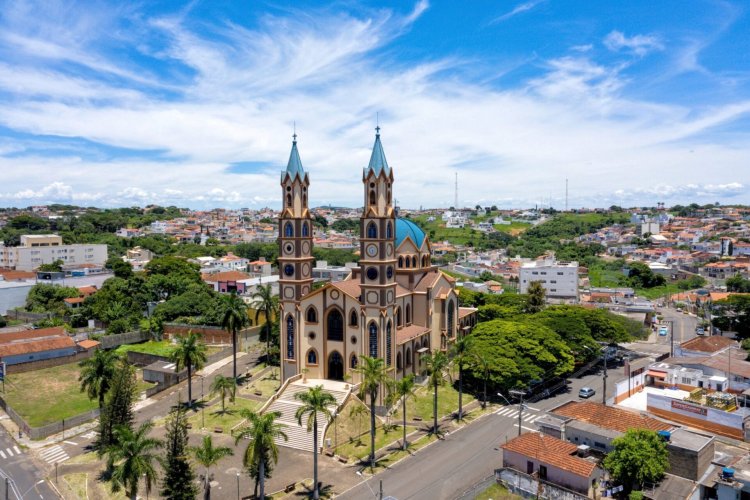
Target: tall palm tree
(191,354)
(261,430)
(224,386)
(435,364)
(315,402)
(233,320)
(374,374)
(266,303)
(131,457)
(209,455)
(462,355)
(404,389)
(97,373)
(484,364)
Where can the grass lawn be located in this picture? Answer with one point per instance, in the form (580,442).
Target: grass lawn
(600,277)
(162,348)
(421,406)
(658,291)
(227,419)
(496,492)
(76,483)
(348,426)
(45,396)
(361,449)
(267,385)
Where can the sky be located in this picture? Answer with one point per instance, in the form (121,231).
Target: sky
(194,104)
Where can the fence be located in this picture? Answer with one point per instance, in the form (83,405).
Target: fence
(49,429)
(48,363)
(214,334)
(112,341)
(530,487)
(27,316)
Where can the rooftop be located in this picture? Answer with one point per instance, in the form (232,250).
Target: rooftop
(708,344)
(552,451)
(608,417)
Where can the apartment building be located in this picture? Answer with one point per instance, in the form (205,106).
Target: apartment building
(39,249)
(559,279)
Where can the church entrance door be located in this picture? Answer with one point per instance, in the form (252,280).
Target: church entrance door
(335,366)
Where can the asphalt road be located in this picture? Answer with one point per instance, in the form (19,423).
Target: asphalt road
(450,467)
(18,465)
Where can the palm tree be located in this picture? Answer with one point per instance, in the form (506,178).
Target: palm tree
(404,389)
(266,303)
(224,386)
(357,412)
(461,352)
(262,430)
(132,457)
(484,363)
(435,364)
(97,373)
(207,455)
(374,373)
(315,402)
(233,320)
(191,354)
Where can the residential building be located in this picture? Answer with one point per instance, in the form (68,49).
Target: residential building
(35,345)
(323,271)
(559,279)
(36,250)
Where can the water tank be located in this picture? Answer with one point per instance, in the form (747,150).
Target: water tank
(665,435)
(727,473)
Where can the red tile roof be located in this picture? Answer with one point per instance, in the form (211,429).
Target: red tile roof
(465,311)
(409,332)
(225,276)
(32,346)
(552,451)
(89,344)
(609,417)
(31,334)
(350,287)
(708,344)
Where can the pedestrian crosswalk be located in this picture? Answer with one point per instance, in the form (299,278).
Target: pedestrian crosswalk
(54,454)
(9,452)
(511,412)
(89,435)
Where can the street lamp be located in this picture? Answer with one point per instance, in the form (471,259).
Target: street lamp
(238,486)
(521,406)
(32,487)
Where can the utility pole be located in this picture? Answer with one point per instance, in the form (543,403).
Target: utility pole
(519,395)
(604,376)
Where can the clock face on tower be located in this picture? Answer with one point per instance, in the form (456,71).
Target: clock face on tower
(372,250)
(289,269)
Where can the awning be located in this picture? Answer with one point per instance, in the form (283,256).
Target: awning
(654,373)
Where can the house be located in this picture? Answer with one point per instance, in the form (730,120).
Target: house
(83,292)
(227,281)
(35,345)
(259,267)
(552,460)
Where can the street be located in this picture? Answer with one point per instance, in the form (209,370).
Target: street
(18,465)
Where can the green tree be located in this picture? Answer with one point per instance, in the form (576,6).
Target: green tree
(179,479)
(483,367)
(358,412)
(315,402)
(173,266)
(374,375)
(462,354)
(537,297)
(265,303)
(118,406)
(403,389)
(119,267)
(234,318)
(209,455)
(54,267)
(262,431)
(131,457)
(224,386)
(191,354)
(639,456)
(97,373)
(738,284)
(435,364)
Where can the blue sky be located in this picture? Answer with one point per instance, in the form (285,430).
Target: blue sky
(193,104)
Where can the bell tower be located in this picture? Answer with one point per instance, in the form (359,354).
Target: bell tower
(295,258)
(377,256)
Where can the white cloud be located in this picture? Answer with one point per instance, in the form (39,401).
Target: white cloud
(639,45)
(518,9)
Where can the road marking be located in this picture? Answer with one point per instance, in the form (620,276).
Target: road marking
(9,452)
(530,418)
(89,435)
(2,454)
(17,450)
(71,443)
(54,454)
(504,411)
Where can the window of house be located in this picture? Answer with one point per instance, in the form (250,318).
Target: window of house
(389,231)
(290,337)
(373,340)
(388,344)
(335,325)
(543,472)
(312,357)
(288,230)
(312,315)
(408,314)
(305,229)
(372,230)
(353,362)
(353,318)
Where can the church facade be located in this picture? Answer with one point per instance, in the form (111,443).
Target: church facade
(396,305)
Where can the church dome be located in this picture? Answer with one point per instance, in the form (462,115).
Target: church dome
(406,228)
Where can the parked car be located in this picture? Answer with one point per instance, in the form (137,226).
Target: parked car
(663,331)
(586,392)
(700,331)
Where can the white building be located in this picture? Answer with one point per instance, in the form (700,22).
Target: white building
(559,279)
(36,250)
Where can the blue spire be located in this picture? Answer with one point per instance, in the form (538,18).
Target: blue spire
(377,159)
(294,167)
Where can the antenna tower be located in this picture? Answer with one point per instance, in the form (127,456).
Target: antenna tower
(455,202)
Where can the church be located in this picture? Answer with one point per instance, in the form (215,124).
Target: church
(396,305)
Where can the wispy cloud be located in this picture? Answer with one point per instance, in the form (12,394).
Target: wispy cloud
(518,9)
(639,45)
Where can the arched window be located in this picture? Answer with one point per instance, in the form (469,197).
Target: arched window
(372,230)
(312,357)
(398,360)
(389,231)
(408,357)
(290,337)
(451,319)
(413,262)
(407,262)
(372,197)
(373,340)
(400,262)
(305,229)
(388,344)
(289,200)
(408,314)
(425,342)
(312,315)
(398,317)
(443,342)
(425,261)
(353,318)
(288,230)
(335,323)
(353,362)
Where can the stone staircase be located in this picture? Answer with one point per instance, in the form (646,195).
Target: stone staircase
(286,404)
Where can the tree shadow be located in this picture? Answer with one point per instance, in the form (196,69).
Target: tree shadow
(325,490)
